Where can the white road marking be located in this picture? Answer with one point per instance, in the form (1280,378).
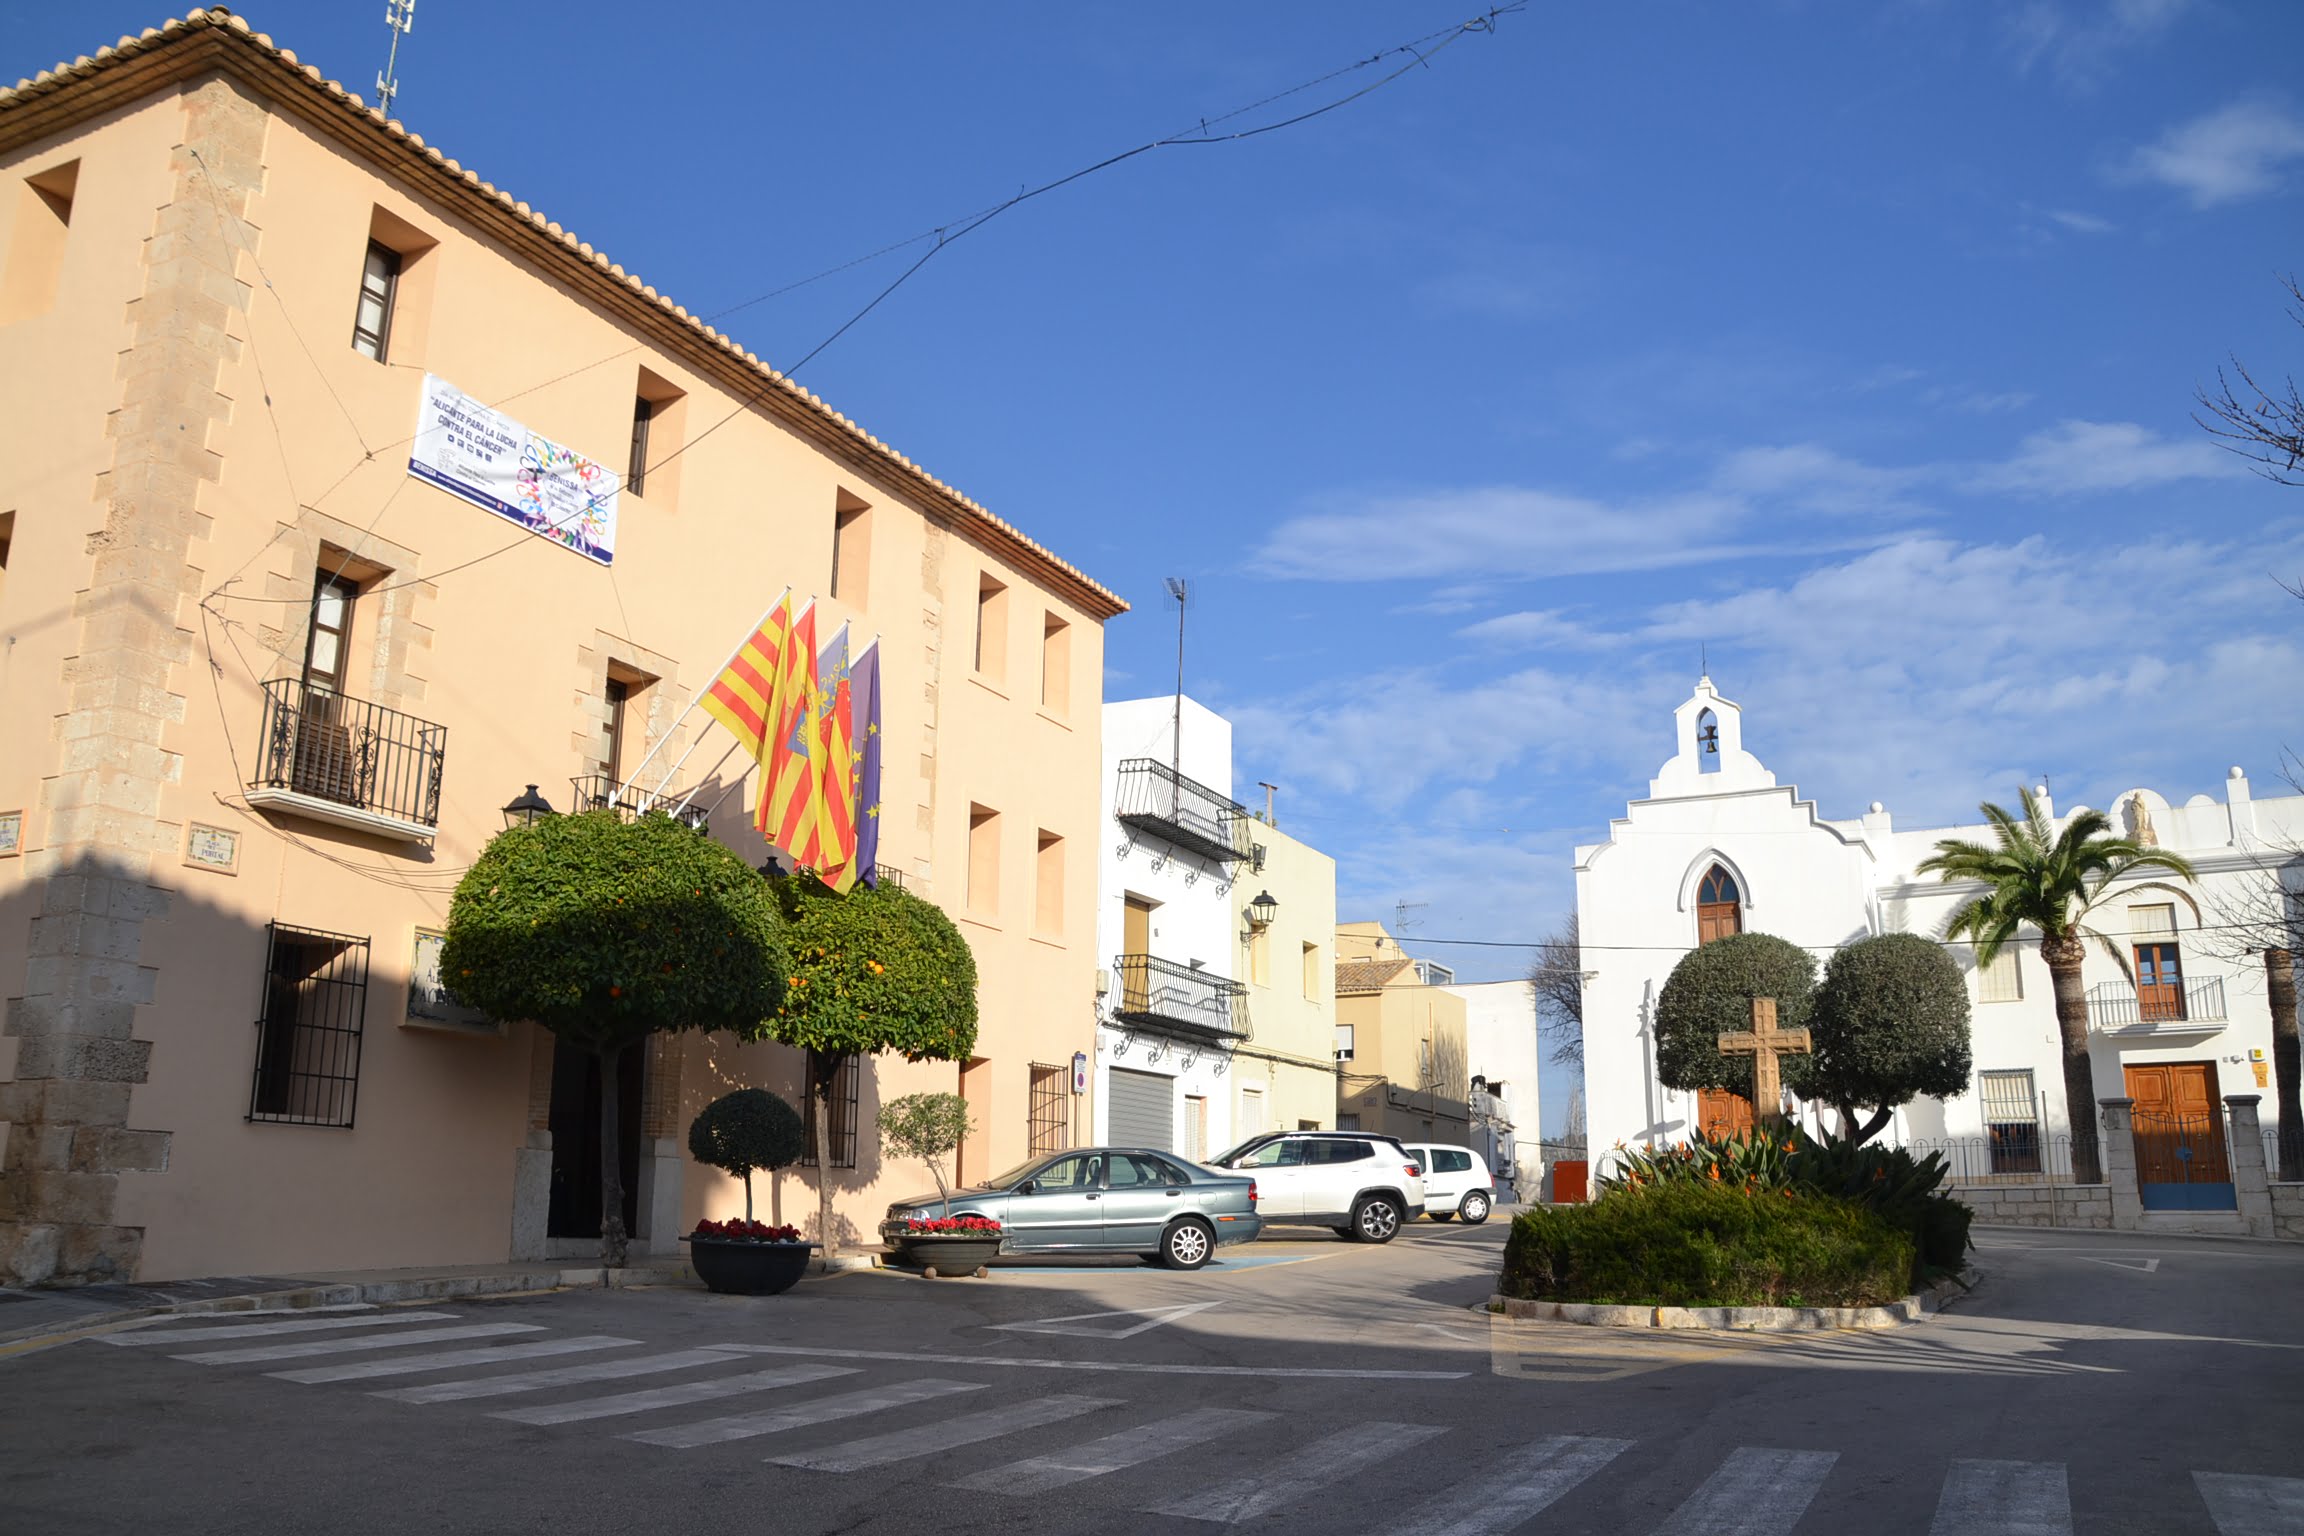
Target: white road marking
(1155,1317)
(1514,1488)
(2141,1266)
(372,1341)
(453,1359)
(674,1396)
(2253,1506)
(564,1376)
(1755,1493)
(266,1330)
(820,1410)
(1265,1372)
(1302,1475)
(948,1434)
(1113,1453)
(2004,1498)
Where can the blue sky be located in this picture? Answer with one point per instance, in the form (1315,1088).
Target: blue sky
(1855,343)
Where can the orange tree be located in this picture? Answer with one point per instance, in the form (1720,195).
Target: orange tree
(874,970)
(606,931)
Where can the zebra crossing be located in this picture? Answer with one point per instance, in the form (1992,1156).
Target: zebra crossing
(718,1395)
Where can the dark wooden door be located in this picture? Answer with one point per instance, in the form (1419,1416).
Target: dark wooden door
(1722,1113)
(2179,1123)
(2159,982)
(575,1208)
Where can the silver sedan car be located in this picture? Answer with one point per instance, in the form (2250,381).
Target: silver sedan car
(1104,1200)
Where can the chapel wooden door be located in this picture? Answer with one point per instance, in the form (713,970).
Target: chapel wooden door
(2179,1124)
(1720,1112)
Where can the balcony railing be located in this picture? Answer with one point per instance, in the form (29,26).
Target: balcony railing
(349,762)
(2157,1010)
(1162,995)
(1157,800)
(597,791)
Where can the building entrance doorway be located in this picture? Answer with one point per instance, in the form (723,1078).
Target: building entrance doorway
(1720,1112)
(2181,1163)
(575,1206)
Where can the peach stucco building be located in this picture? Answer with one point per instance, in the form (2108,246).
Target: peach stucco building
(264,691)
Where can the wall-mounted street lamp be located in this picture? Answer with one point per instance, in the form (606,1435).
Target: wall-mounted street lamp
(528,810)
(1263,909)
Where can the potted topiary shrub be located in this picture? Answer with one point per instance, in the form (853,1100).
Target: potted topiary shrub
(930,1127)
(737,1133)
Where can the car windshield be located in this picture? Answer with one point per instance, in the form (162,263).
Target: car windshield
(1013,1176)
(1226,1160)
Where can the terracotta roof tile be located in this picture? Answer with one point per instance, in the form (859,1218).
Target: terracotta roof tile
(1357,978)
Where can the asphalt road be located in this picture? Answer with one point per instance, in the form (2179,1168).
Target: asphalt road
(2092,1384)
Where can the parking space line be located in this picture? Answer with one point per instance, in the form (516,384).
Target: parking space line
(1267,1372)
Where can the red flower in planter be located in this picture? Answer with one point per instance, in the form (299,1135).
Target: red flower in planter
(951,1226)
(747,1231)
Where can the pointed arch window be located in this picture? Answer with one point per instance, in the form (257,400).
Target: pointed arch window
(1719,906)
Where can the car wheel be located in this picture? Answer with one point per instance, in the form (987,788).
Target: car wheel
(1376,1219)
(1187,1245)
(1473,1208)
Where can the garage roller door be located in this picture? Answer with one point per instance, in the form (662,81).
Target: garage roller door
(1143,1109)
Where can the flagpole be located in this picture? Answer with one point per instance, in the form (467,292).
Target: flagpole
(674,728)
(716,767)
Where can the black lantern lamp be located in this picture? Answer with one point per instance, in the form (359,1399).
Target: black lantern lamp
(1263,909)
(528,810)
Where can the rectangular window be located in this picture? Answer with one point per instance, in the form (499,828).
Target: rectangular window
(612,754)
(1055,665)
(379,286)
(2011,1120)
(2159,967)
(1051,1125)
(1312,972)
(327,649)
(843,1125)
(36,250)
(1251,1113)
(991,629)
(1260,955)
(308,1040)
(1048,892)
(636,467)
(1343,1042)
(1347,1122)
(983,895)
(1196,1127)
(2003,980)
(851,550)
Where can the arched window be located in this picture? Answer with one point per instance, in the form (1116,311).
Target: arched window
(1707,743)
(1719,906)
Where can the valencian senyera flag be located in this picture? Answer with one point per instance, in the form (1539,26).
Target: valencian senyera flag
(793,784)
(864,712)
(743,697)
(835,851)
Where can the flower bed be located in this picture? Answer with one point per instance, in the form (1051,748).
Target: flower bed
(951,1226)
(738,1229)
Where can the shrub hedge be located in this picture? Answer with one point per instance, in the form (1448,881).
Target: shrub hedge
(1702,1244)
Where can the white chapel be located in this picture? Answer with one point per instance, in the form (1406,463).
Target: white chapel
(1717,846)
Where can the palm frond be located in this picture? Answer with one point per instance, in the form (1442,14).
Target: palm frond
(2112,948)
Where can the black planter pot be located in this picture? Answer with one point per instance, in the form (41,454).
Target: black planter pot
(736,1267)
(946,1255)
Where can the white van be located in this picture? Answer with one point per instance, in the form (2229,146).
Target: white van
(1457,1182)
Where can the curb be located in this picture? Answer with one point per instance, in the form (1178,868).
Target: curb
(1896,1314)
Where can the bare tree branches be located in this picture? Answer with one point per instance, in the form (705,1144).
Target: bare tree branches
(2264,426)
(1557,978)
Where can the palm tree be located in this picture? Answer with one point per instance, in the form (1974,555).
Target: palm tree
(2048,881)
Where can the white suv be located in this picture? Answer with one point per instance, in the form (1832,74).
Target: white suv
(1457,1182)
(1362,1185)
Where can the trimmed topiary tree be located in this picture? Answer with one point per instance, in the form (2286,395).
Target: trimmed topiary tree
(1710,993)
(746,1130)
(928,1126)
(1890,1024)
(606,931)
(877,969)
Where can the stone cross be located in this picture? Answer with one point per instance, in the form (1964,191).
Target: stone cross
(1765,1041)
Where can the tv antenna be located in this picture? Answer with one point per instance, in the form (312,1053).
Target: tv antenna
(400,16)
(1400,911)
(1181,590)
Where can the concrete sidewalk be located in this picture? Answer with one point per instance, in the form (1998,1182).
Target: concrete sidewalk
(29,1315)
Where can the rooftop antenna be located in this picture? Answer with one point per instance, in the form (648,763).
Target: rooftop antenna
(1703,650)
(1400,911)
(400,16)
(1268,789)
(1180,590)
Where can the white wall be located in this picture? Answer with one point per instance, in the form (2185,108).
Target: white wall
(1501,1045)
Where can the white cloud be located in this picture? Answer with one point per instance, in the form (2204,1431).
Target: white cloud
(2077,456)
(1500,531)
(2225,156)
(2080,41)
(1806,475)
(1534,630)
(2080,223)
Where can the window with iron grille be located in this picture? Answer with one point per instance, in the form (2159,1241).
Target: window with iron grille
(843,1112)
(1051,1127)
(2011,1119)
(308,1039)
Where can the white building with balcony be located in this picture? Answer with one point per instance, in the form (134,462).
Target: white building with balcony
(1718,846)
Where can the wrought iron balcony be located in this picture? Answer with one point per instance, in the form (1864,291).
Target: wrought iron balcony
(348,762)
(1157,800)
(2192,1006)
(1158,994)
(597,791)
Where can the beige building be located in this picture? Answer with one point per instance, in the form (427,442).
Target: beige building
(1400,1041)
(1287,1071)
(278,651)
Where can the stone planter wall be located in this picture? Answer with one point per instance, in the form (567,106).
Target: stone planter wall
(2037,1205)
(2288,1212)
